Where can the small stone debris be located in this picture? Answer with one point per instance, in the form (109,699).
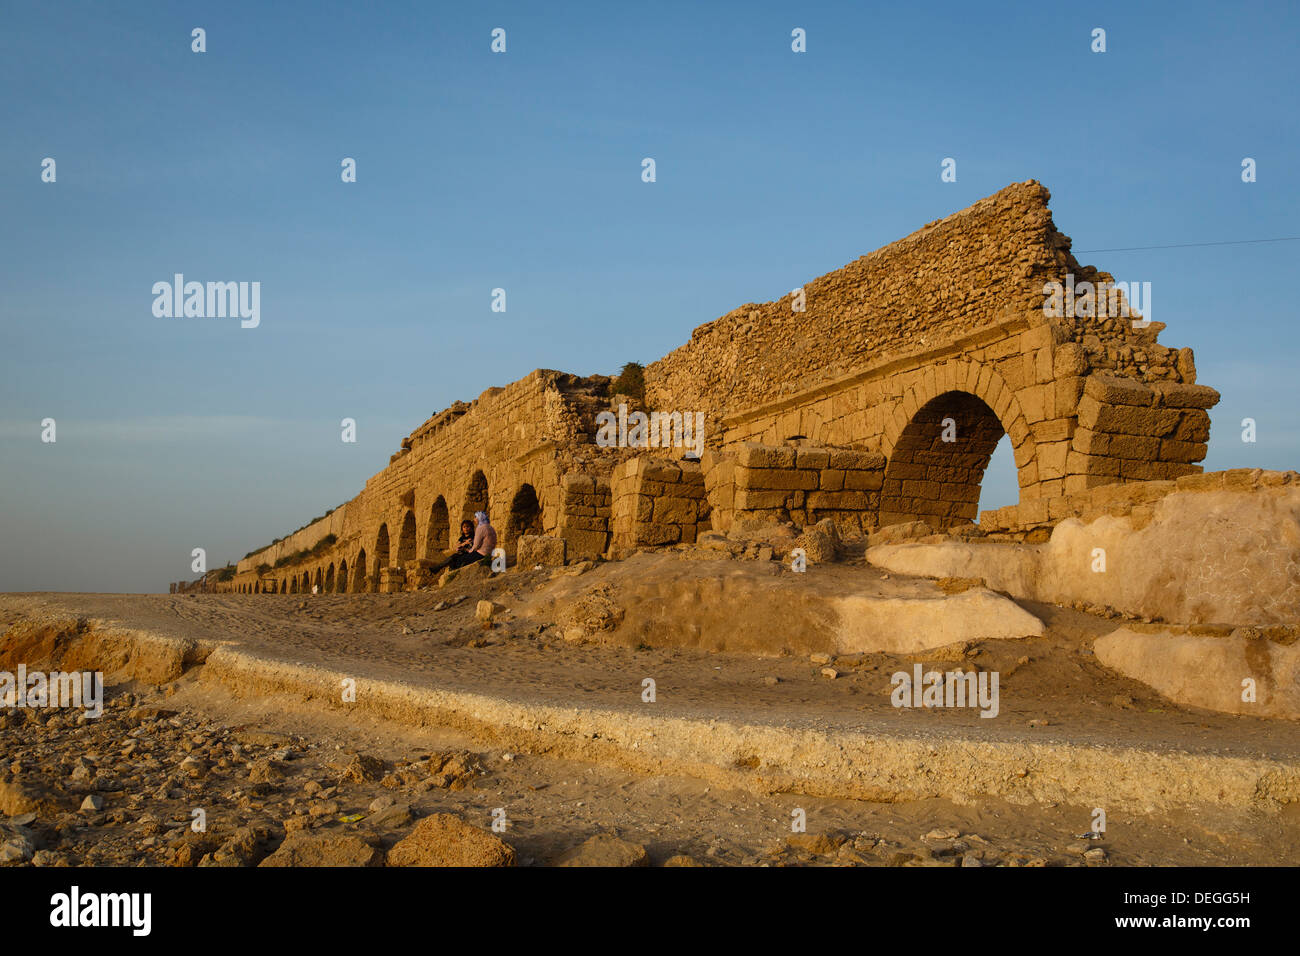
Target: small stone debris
(487,610)
(605,849)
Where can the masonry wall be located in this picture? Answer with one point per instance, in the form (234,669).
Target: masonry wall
(806,484)
(657,502)
(890,343)
(473,456)
(585,514)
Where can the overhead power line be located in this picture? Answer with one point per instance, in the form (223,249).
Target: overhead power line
(1189,245)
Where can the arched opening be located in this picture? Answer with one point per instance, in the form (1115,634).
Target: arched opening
(343,576)
(476,496)
(329,580)
(359,573)
(320,581)
(1001,484)
(293,584)
(306,583)
(381,557)
(937,465)
(525,516)
(406,541)
(437,536)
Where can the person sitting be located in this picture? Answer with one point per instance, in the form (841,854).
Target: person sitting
(464,544)
(485,542)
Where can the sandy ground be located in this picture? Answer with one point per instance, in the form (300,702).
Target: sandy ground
(1053,680)
(552,804)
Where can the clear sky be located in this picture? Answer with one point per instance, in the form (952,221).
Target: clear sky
(522,170)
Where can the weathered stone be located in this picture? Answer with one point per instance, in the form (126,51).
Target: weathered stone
(323,849)
(539,549)
(444,839)
(605,849)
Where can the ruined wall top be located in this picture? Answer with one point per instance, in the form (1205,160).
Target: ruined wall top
(948,279)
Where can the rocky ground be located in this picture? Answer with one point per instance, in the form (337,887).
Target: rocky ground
(281,784)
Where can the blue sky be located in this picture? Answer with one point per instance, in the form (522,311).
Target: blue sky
(478,170)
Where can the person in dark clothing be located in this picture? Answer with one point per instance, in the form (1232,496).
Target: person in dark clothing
(466,541)
(464,544)
(482,545)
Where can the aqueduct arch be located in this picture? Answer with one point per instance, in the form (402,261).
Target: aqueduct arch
(406,540)
(437,536)
(476,496)
(936,466)
(525,516)
(381,558)
(360,582)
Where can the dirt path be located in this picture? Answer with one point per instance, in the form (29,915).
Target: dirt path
(1053,680)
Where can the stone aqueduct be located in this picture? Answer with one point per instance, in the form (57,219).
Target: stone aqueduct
(837,411)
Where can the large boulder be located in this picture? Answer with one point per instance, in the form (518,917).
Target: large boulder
(444,839)
(871,624)
(1240,674)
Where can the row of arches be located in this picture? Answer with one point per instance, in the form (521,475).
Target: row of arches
(363,573)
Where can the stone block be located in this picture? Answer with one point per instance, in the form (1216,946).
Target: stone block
(753,455)
(1114,390)
(540,549)
(788,479)
(814,458)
